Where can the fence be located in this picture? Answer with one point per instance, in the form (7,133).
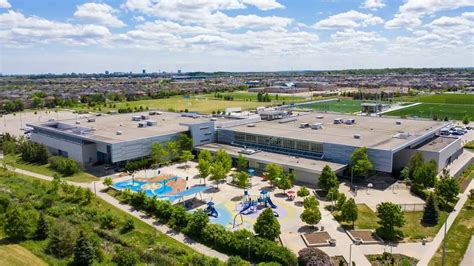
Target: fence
(412,207)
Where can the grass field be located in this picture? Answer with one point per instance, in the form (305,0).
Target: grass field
(429,110)
(203,103)
(16,255)
(458,237)
(447,98)
(341,106)
(15,161)
(413,229)
(85,217)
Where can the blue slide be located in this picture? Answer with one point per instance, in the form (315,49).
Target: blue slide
(271,203)
(213,212)
(246,207)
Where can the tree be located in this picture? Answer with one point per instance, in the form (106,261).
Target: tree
(205,155)
(341,200)
(158,153)
(224,159)
(198,220)
(332,194)
(108,182)
(186,156)
(126,257)
(173,149)
(431,211)
(273,171)
(465,120)
(415,162)
(327,179)
(360,162)
(18,224)
(242,179)
(302,192)
(218,172)
(447,188)
(242,163)
(349,211)
(283,182)
(311,215)
(62,239)
(84,252)
(42,228)
(185,143)
(390,216)
(267,225)
(313,256)
(310,202)
(179,217)
(425,174)
(204,168)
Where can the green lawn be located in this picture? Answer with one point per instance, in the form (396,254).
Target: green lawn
(252,96)
(458,237)
(341,106)
(469,145)
(203,103)
(16,255)
(413,229)
(87,217)
(44,169)
(429,110)
(446,98)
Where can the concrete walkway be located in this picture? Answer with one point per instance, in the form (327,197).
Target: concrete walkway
(126,208)
(468,259)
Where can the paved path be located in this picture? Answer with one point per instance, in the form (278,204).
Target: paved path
(126,208)
(468,259)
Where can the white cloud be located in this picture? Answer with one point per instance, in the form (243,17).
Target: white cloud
(139,18)
(98,13)
(411,12)
(373,4)
(264,4)
(5,4)
(350,19)
(18,30)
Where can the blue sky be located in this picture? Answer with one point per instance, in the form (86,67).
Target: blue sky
(57,36)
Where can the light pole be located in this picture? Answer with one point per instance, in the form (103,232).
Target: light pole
(248,239)
(444,240)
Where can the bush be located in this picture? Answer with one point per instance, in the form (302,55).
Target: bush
(33,152)
(302,192)
(108,221)
(126,257)
(64,166)
(128,226)
(133,166)
(313,256)
(62,240)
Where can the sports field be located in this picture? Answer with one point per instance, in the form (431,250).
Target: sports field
(446,98)
(429,110)
(339,106)
(252,96)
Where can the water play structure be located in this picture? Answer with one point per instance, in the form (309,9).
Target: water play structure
(210,210)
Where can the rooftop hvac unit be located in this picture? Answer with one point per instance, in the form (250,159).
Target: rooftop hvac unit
(119,132)
(78,122)
(251,125)
(144,117)
(304,125)
(151,123)
(316,126)
(213,119)
(136,118)
(357,136)
(349,121)
(338,121)
(159,113)
(142,124)
(152,113)
(398,122)
(319,117)
(91,120)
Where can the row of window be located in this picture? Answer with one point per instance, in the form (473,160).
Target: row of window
(279,142)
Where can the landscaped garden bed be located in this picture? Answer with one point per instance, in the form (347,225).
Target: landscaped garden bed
(316,239)
(387,259)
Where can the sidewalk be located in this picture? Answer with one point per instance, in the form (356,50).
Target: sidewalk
(143,217)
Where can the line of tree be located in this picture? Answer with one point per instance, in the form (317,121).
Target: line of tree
(217,166)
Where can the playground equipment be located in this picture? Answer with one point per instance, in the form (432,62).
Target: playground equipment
(265,199)
(210,210)
(249,207)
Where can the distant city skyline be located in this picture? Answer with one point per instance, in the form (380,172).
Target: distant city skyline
(57,36)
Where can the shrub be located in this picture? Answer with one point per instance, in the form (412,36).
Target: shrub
(313,256)
(33,152)
(64,166)
(128,226)
(302,192)
(126,257)
(62,239)
(108,221)
(179,218)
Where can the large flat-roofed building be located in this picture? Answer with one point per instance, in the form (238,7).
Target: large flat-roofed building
(115,138)
(303,142)
(332,138)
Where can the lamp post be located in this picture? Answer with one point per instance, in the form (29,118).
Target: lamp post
(248,239)
(444,239)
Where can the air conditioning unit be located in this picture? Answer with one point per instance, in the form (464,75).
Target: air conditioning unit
(398,122)
(119,132)
(251,125)
(357,136)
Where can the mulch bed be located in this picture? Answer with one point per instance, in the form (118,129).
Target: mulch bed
(316,238)
(365,235)
(464,184)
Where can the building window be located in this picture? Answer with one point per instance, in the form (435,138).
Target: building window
(204,140)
